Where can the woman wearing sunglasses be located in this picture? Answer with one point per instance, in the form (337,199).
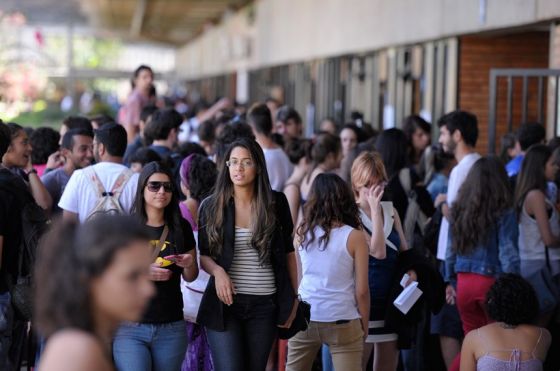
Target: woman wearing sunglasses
(159,340)
(245,242)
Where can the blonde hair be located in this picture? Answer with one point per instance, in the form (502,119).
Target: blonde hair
(366,166)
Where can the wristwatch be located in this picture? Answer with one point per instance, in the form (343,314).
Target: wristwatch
(32,171)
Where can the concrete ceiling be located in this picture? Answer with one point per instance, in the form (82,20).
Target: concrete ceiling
(167,21)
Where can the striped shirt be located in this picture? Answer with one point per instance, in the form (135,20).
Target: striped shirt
(247,274)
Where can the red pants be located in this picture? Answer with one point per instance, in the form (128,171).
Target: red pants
(471,299)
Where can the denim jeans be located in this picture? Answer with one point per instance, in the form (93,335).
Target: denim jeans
(250,330)
(6,327)
(150,346)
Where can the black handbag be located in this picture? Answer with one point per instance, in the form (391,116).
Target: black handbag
(22,298)
(300,322)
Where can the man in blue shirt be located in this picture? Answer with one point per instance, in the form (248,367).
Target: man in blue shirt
(527,135)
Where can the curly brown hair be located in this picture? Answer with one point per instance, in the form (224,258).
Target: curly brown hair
(330,203)
(483,198)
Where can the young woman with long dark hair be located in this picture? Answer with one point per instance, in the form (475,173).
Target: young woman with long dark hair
(418,136)
(334,258)
(159,340)
(129,114)
(539,224)
(245,242)
(484,239)
(89,279)
(402,182)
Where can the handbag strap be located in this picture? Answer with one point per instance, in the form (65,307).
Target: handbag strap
(160,243)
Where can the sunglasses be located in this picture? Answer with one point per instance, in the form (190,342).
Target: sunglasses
(156,186)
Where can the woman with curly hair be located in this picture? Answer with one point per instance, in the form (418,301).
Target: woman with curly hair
(484,239)
(334,258)
(511,342)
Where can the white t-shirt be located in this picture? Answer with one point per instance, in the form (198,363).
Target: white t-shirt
(456,179)
(278,166)
(80,196)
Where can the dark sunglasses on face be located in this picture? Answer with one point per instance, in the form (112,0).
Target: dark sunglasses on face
(156,186)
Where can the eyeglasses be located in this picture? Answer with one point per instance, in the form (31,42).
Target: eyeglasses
(246,163)
(156,186)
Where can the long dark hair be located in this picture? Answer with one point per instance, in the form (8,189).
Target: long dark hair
(264,220)
(137,71)
(330,201)
(392,146)
(69,257)
(532,174)
(171,213)
(410,125)
(482,199)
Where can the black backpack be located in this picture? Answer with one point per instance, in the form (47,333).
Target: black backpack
(34,223)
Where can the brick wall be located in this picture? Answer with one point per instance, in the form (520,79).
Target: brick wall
(477,55)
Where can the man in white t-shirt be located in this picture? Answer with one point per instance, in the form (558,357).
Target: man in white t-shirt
(80,195)
(278,164)
(458,135)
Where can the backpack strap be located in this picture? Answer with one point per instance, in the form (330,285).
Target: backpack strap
(93,179)
(388,217)
(120,183)
(160,243)
(388,222)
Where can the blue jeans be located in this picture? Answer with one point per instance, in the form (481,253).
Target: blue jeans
(6,327)
(150,346)
(250,331)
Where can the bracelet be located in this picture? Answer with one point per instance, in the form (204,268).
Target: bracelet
(32,171)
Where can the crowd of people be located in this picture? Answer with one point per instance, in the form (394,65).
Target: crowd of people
(166,241)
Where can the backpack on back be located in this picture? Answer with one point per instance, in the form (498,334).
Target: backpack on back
(107,201)
(34,223)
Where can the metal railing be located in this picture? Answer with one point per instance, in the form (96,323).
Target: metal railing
(543,76)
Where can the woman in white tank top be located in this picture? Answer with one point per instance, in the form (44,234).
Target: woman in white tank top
(539,228)
(334,262)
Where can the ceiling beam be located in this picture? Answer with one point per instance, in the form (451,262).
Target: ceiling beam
(138,18)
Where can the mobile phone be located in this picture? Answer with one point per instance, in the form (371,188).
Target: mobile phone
(171,258)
